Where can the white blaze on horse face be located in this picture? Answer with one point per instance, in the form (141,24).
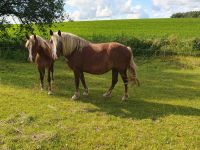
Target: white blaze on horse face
(29,46)
(30,53)
(54,50)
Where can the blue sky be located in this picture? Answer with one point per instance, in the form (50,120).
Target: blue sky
(127,9)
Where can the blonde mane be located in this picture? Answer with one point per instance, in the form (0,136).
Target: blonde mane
(41,41)
(71,42)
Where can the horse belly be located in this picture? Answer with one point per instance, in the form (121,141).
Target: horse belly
(97,66)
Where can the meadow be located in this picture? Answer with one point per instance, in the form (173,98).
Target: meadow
(163,113)
(139,28)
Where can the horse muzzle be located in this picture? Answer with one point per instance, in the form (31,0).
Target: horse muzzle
(54,56)
(30,59)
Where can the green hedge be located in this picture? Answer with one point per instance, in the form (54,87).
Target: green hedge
(141,47)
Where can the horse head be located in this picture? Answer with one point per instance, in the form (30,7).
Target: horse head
(56,44)
(32,45)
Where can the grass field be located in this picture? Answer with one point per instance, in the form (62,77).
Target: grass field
(140,28)
(182,28)
(163,113)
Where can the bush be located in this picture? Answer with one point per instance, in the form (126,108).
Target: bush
(196,44)
(141,47)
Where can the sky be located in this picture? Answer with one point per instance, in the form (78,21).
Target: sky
(127,9)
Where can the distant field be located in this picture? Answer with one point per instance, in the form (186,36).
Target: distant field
(140,28)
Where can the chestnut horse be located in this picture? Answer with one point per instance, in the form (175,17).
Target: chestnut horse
(40,52)
(84,56)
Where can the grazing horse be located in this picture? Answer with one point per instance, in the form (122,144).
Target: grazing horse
(84,56)
(40,52)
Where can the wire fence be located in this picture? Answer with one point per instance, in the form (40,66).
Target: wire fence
(12,46)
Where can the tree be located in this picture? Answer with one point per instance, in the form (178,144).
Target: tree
(29,12)
(190,14)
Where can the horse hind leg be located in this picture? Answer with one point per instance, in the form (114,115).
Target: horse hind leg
(114,82)
(86,91)
(125,80)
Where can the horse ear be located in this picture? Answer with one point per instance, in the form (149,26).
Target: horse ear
(35,37)
(59,33)
(51,32)
(27,37)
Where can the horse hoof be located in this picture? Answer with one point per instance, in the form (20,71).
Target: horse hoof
(85,93)
(125,98)
(107,94)
(42,89)
(50,93)
(76,96)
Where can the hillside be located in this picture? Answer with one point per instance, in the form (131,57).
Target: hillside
(141,28)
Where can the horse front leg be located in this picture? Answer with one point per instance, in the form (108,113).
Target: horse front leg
(125,80)
(49,82)
(42,73)
(86,91)
(114,82)
(77,78)
(52,71)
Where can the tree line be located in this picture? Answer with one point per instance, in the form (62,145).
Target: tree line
(190,14)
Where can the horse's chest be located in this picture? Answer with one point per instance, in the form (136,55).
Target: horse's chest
(41,62)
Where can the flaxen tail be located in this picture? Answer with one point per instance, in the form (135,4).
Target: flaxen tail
(132,75)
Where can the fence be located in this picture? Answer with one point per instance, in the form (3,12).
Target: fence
(13,50)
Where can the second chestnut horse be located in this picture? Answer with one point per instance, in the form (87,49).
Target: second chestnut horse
(40,52)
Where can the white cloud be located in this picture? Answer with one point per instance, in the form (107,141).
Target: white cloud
(165,8)
(103,12)
(104,9)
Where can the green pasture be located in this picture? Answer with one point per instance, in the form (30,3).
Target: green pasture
(140,28)
(163,113)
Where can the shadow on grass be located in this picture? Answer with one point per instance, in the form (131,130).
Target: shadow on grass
(140,109)
(157,84)
(147,101)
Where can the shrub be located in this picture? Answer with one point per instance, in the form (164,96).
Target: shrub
(196,44)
